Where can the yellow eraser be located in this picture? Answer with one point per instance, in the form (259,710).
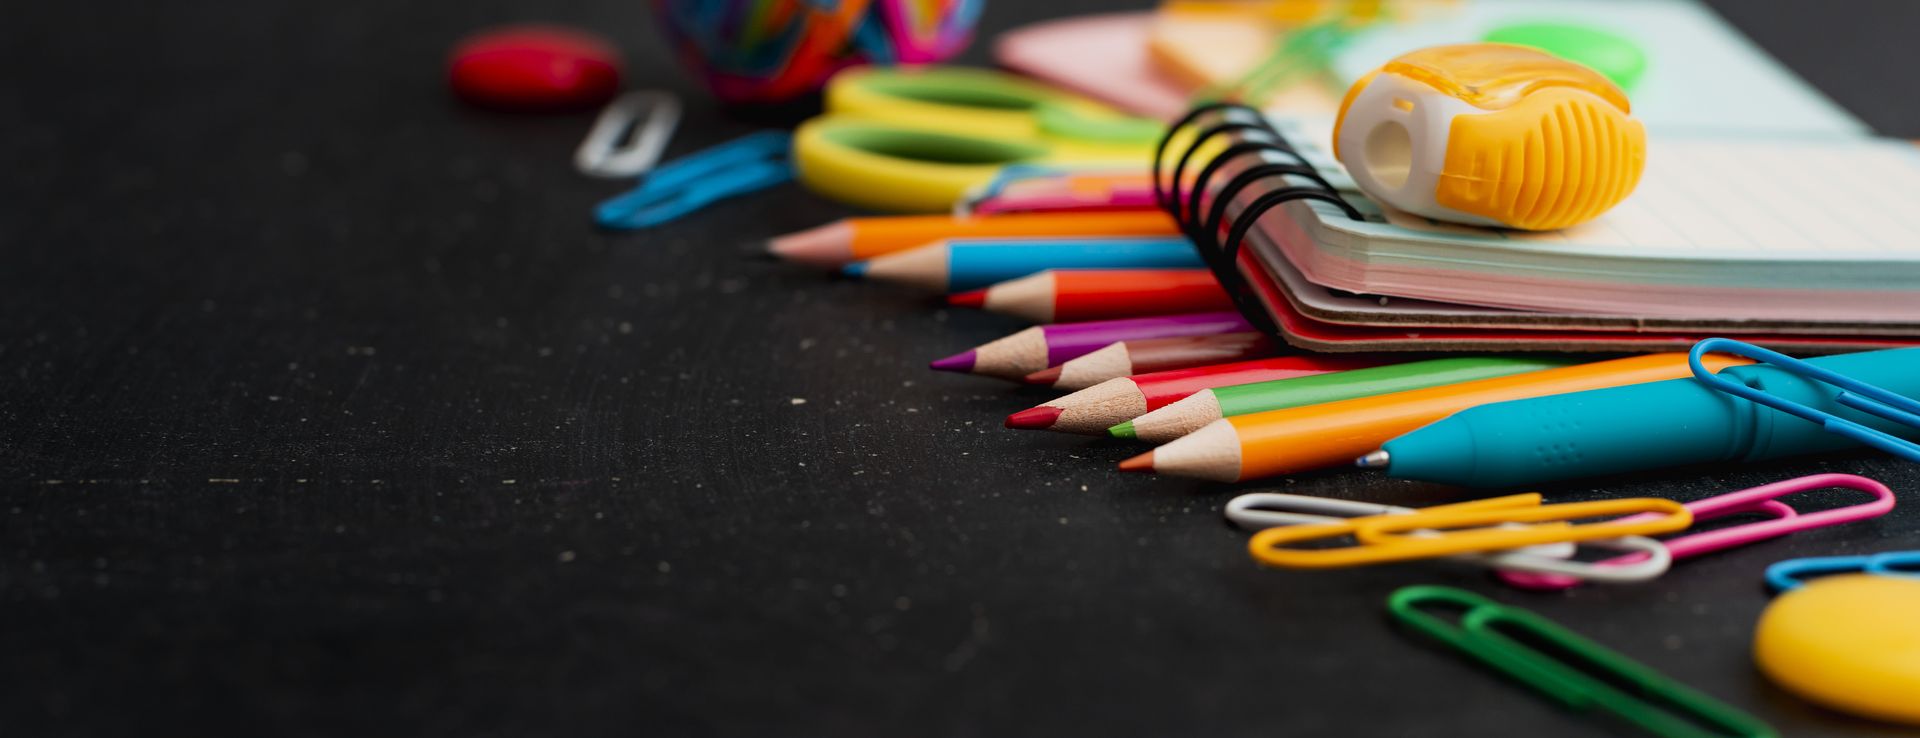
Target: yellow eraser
(1848,642)
(1491,134)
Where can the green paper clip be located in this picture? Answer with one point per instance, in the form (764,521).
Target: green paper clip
(1569,669)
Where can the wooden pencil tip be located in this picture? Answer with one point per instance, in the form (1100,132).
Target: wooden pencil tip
(968,299)
(1045,376)
(856,269)
(1141,463)
(827,245)
(1123,430)
(961,362)
(1034,418)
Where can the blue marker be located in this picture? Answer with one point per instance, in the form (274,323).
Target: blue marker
(1644,426)
(957,265)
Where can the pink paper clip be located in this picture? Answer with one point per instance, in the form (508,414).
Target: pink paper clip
(1756,500)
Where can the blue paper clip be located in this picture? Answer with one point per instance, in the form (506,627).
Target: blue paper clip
(1790,574)
(1857,395)
(747,164)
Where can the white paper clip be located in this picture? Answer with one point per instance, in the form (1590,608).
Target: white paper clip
(1261,510)
(601,153)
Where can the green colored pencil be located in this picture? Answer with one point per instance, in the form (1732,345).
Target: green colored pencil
(1208,405)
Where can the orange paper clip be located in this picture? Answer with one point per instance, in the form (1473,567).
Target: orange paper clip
(1522,521)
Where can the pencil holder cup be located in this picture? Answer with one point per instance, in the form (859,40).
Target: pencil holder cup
(1493,135)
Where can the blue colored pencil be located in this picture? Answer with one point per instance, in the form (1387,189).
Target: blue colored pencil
(956,265)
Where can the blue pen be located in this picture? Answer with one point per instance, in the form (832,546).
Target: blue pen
(1643,426)
(957,265)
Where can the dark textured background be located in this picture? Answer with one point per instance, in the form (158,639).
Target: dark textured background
(324,411)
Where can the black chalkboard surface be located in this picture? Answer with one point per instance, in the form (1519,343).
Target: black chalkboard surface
(323,410)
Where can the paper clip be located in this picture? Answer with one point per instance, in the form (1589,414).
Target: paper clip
(1423,534)
(1261,510)
(1854,394)
(1761,499)
(600,153)
(1571,670)
(746,164)
(1792,573)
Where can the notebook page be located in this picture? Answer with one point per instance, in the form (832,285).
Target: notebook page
(1733,199)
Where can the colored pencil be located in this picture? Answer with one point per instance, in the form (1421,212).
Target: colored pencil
(864,238)
(1042,346)
(1194,411)
(965,264)
(1153,355)
(1094,409)
(1315,436)
(1100,294)
(1080,192)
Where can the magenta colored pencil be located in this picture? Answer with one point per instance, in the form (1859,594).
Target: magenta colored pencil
(1039,347)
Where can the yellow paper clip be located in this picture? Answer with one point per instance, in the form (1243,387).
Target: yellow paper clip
(1381,540)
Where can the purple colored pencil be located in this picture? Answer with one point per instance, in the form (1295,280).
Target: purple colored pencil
(1039,347)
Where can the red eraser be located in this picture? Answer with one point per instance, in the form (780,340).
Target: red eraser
(532,68)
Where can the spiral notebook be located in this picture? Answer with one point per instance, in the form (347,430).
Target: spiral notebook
(1738,228)
(1780,237)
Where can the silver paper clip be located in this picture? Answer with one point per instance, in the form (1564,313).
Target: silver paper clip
(650,115)
(1853,393)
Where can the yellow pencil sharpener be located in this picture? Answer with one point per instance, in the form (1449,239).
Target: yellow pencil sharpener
(1491,134)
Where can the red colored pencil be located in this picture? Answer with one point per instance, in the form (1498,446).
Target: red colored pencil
(1153,355)
(1059,295)
(1095,409)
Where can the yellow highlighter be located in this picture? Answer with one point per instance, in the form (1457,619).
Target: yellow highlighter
(1491,134)
(917,140)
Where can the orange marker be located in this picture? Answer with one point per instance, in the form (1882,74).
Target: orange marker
(854,239)
(1062,295)
(1315,436)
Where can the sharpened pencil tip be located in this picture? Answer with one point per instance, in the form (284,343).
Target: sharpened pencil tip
(1123,430)
(827,245)
(1141,463)
(961,362)
(968,299)
(1034,418)
(855,269)
(1375,460)
(1045,376)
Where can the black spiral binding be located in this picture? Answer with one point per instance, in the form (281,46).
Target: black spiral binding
(1256,136)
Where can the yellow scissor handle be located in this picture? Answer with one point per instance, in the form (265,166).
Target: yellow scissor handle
(918,140)
(983,102)
(1382,539)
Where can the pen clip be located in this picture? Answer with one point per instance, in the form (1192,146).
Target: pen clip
(1853,393)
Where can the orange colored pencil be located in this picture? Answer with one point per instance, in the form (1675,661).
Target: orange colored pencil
(1060,295)
(854,239)
(1315,436)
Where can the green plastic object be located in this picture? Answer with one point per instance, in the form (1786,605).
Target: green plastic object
(1620,59)
(1566,667)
